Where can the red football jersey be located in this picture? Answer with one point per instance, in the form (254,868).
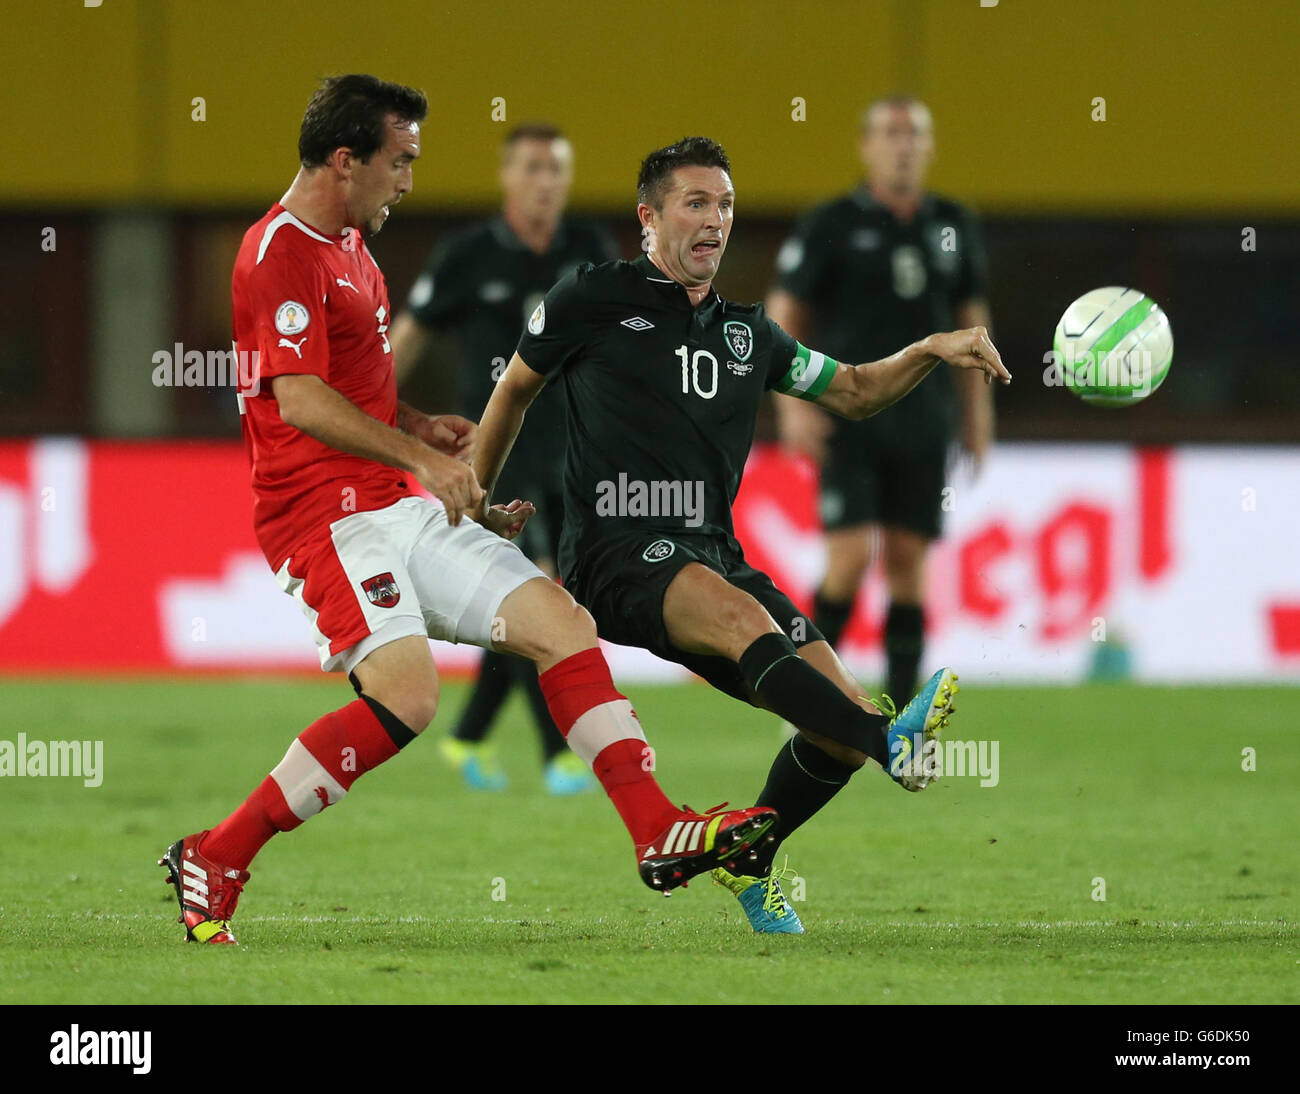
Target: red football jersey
(307,302)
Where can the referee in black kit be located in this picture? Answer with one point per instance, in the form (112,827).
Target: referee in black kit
(479,286)
(878,268)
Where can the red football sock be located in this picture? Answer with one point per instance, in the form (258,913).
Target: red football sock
(600,725)
(321,765)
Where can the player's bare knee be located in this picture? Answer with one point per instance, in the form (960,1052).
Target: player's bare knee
(413,704)
(546,624)
(744,619)
(421,710)
(576,630)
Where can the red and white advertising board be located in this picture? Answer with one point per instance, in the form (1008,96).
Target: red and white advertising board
(120,556)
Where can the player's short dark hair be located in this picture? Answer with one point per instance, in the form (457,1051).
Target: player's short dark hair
(899,99)
(530,131)
(351,112)
(658,167)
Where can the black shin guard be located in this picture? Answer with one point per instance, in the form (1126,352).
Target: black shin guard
(789,686)
(802,780)
(904,639)
(831,617)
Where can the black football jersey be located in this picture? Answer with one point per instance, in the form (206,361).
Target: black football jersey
(661,398)
(480,285)
(876,285)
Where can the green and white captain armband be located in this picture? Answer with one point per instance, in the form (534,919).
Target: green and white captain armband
(809,375)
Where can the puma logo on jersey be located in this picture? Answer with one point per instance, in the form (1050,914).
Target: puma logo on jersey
(637,323)
(195,884)
(684,837)
(296,348)
(348,282)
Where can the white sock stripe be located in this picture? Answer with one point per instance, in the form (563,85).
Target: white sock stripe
(298,776)
(603,726)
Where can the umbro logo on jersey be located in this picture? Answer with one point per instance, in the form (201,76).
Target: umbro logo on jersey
(382,590)
(348,282)
(636,323)
(296,348)
(195,887)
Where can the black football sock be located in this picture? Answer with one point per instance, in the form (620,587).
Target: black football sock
(904,640)
(552,740)
(792,688)
(495,677)
(802,779)
(831,617)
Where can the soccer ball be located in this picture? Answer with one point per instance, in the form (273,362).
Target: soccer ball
(1113,347)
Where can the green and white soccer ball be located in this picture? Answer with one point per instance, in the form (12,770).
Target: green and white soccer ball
(1113,347)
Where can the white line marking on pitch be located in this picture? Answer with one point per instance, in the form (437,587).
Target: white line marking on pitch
(912,924)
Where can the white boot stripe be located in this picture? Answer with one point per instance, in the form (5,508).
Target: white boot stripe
(670,842)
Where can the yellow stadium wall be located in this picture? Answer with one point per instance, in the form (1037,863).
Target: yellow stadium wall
(1201,96)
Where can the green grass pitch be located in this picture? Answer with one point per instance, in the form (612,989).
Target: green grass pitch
(957,894)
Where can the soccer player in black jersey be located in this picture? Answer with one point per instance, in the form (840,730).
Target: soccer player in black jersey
(877,268)
(662,380)
(479,286)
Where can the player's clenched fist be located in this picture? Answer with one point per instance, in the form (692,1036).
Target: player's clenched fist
(449,434)
(452,483)
(970,348)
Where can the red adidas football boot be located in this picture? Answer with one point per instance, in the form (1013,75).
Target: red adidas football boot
(207,891)
(698,842)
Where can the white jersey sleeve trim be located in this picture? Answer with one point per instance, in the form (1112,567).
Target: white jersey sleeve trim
(279,222)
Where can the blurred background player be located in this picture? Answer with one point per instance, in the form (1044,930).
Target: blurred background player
(480,286)
(880,267)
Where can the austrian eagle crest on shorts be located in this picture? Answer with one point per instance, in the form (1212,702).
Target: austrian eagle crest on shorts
(382,590)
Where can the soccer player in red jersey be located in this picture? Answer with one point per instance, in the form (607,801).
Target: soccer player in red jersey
(376,568)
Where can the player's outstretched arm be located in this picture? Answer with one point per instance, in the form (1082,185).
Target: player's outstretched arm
(802,427)
(502,419)
(976,391)
(858,391)
(307,403)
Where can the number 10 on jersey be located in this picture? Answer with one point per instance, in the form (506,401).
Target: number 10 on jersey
(691,375)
